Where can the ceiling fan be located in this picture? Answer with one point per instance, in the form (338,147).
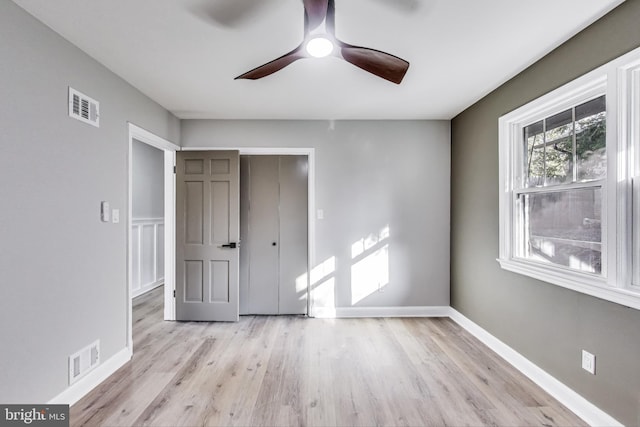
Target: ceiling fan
(320,41)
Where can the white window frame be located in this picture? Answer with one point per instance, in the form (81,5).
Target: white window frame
(630,78)
(619,280)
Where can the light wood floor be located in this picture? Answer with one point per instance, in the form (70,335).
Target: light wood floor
(295,371)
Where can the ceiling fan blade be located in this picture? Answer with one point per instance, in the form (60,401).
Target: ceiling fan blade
(376,62)
(273,66)
(315,12)
(331,18)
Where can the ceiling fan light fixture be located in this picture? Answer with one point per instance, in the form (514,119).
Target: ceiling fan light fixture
(319,47)
(320,40)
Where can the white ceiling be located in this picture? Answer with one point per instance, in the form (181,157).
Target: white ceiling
(184,54)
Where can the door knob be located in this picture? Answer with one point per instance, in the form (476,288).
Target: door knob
(231,245)
(273,244)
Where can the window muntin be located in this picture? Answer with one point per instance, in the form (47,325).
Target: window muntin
(556,224)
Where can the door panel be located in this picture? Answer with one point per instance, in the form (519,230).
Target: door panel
(293,234)
(244,233)
(263,231)
(220,281)
(193,283)
(207,217)
(194,220)
(220,212)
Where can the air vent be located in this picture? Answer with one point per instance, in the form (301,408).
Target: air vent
(83,108)
(84,361)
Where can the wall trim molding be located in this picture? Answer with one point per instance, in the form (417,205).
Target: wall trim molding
(580,406)
(360,312)
(84,385)
(142,221)
(149,275)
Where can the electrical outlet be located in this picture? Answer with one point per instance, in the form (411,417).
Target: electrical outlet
(588,362)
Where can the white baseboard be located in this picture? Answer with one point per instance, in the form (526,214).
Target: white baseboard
(147,288)
(586,410)
(84,385)
(355,312)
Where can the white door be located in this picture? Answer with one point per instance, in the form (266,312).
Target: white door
(207,218)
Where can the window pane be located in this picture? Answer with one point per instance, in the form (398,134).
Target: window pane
(559,146)
(563,228)
(534,158)
(591,139)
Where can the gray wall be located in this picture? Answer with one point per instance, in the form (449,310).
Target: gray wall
(148,181)
(547,324)
(369,175)
(62,271)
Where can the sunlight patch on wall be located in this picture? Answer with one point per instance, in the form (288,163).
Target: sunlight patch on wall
(323,285)
(366,243)
(324,298)
(370,274)
(323,270)
(301,285)
(370,268)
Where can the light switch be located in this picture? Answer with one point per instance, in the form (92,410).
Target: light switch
(320,214)
(115,216)
(104,211)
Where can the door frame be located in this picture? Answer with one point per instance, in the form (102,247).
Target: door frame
(169,148)
(311,206)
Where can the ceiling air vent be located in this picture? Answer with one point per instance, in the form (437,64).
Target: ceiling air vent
(83,108)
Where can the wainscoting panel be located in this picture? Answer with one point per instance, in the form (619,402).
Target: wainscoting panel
(147,236)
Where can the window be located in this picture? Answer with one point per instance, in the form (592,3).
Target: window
(559,204)
(567,168)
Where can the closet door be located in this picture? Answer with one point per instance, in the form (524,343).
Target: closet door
(274,235)
(244,234)
(293,234)
(263,240)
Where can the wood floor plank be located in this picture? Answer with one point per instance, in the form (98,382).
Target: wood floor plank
(296,371)
(318,383)
(237,390)
(133,403)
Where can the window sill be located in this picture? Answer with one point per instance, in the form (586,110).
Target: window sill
(580,282)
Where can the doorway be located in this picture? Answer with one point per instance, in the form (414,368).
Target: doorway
(303,279)
(147,229)
(168,258)
(274,234)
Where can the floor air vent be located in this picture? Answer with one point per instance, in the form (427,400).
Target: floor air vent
(84,361)
(83,108)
